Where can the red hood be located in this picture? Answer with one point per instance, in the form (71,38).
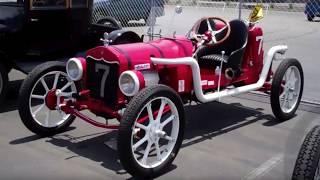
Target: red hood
(130,56)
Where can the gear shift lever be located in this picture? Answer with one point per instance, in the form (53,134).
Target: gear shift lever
(220,72)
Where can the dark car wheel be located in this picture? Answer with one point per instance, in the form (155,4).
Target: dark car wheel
(3,83)
(109,22)
(287,88)
(38,106)
(307,165)
(151,131)
(310,18)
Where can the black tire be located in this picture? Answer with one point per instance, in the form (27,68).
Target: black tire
(124,135)
(307,162)
(276,89)
(109,22)
(123,37)
(3,84)
(310,18)
(24,95)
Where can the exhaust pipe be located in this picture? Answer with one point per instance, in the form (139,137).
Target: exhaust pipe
(229,73)
(227,92)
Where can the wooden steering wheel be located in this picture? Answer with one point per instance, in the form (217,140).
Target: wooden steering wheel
(212,40)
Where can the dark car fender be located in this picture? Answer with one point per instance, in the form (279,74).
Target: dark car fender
(123,37)
(4,61)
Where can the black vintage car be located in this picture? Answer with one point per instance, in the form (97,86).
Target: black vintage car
(34,31)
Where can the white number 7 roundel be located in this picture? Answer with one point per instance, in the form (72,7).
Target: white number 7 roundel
(106,70)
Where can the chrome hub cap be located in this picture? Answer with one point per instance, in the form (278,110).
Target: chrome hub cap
(291,89)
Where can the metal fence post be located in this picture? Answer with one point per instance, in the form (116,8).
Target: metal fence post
(152,13)
(240,8)
(126,11)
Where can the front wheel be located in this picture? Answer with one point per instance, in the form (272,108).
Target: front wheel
(40,96)
(151,131)
(310,18)
(287,88)
(307,164)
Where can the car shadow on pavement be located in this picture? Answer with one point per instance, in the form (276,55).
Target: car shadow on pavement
(91,146)
(33,138)
(11,100)
(204,122)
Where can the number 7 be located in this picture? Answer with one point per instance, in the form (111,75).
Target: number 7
(104,77)
(259,38)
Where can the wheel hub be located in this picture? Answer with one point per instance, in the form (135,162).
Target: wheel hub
(155,132)
(290,91)
(51,99)
(291,88)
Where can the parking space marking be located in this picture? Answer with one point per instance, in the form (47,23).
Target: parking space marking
(264,168)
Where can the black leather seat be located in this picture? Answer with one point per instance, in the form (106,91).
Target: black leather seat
(234,48)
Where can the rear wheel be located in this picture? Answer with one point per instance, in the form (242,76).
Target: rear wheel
(287,88)
(110,22)
(310,18)
(40,94)
(308,164)
(3,83)
(151,131)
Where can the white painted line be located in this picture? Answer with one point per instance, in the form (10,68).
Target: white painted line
(305,101)
(264,168)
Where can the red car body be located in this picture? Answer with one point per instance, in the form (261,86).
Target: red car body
(137,57)
(145,86)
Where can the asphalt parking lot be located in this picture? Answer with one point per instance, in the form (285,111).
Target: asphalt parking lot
(245,143)
(237,138)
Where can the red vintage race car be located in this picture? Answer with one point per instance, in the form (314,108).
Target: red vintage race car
(145,85)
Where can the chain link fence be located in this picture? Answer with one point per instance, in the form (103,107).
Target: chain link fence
(134,14)
(285,22)
(129,13)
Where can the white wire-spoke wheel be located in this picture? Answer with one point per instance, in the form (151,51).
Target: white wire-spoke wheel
(151,131)
(40,95)
(307,165)
(287,88)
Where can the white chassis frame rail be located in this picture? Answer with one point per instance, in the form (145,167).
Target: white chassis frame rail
(228,92)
